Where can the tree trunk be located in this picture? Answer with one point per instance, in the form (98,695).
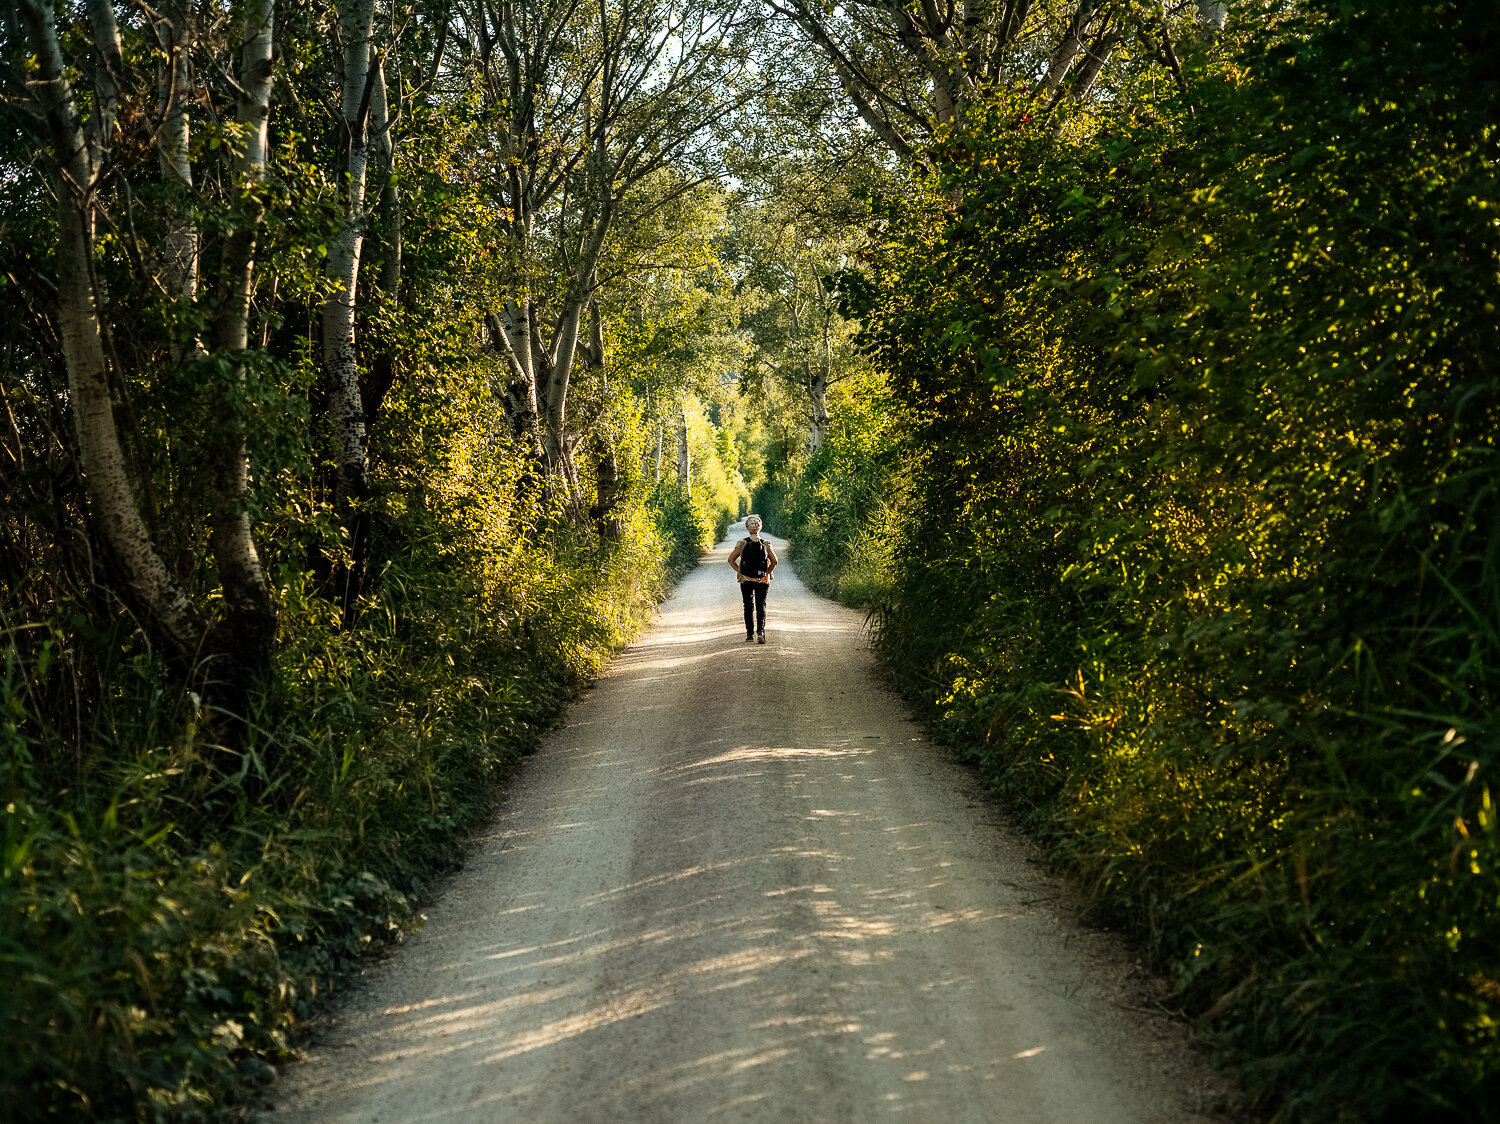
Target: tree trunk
(684,465)
(817,393)
(340,358)
(1098,58)
(555,433)
(607,462)
(607,479)
(383,363)
(248,631)
(1068,50)
(180,246)
(109,73)
(390,194)
(511,335)
(148,587)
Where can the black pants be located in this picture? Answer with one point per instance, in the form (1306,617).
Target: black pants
(754,595)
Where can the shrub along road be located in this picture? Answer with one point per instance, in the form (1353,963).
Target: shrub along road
(737,885)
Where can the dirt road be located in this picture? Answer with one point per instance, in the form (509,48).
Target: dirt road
(738,885)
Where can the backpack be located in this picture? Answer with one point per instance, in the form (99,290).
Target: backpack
(753,559)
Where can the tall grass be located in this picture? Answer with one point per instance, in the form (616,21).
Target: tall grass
(171,911)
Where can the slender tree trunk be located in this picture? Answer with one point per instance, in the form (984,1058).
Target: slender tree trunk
(684,464)
(1095,58)
(148,586)
(555,433)
(180,246)
(569,321)
(340,357)
(383,363)
(248,630)
(1068,50)
(390,195)
(108,74)
(607,463)
(817,393)
(1098,58)
(511,335)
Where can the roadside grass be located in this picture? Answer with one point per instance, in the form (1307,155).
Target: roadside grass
(170,913)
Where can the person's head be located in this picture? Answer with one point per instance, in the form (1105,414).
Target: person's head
(752,524)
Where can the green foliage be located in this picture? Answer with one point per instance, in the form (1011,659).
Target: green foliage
(691,520)
(167,921)
(682,524)
(839,508)
(1195,539)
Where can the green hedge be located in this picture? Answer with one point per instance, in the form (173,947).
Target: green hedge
(1195,538)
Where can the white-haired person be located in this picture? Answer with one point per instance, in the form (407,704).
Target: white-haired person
(753,560)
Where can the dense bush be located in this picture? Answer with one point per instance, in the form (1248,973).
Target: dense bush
(839,504)
(167,919)
(1196,547)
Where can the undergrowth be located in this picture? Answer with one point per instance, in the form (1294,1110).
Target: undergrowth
(170,913)
(1182,527)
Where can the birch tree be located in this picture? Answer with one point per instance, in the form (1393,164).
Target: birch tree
(174,27)
(586,105)
(249,627)
(77,151)
(81,157)
(360,73)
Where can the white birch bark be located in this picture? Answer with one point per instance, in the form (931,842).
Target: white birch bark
(555,432)
(108,74)
(340,359)
(1094,64)
(149,587)
(249,626)
(382,373)
(180,246)
(382,126)
(817,393)
(512,334)
(1068,50)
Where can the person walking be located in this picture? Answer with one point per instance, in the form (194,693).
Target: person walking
(753,560)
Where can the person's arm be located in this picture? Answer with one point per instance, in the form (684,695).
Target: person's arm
(771,560)
(734,557)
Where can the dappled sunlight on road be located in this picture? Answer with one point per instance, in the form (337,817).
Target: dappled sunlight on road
(774,925)
(730,889)
(733,630)
(770,753)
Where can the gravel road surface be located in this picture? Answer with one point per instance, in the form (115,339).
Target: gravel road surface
(739,885)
